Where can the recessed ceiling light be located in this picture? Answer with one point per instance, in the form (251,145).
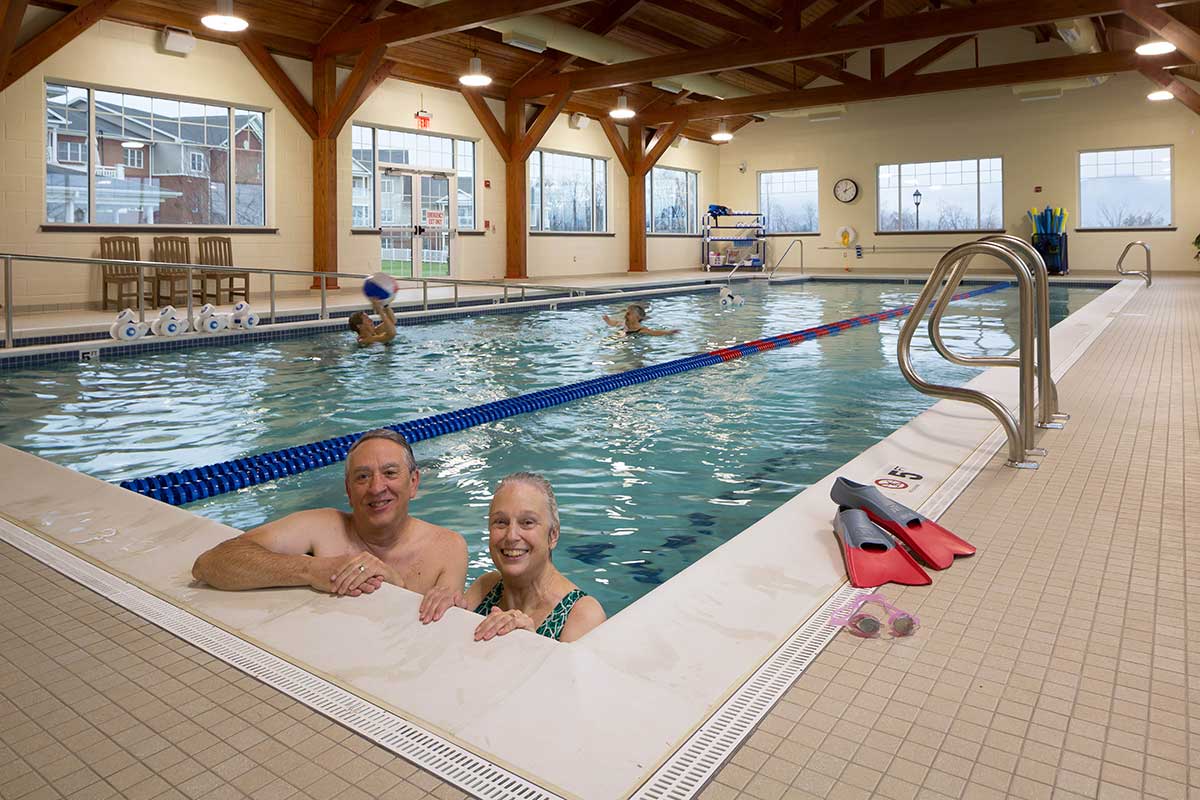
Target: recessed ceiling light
(1158,48)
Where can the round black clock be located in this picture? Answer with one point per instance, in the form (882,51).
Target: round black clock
(845,190)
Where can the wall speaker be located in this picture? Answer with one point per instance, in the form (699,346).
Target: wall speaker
(178,40)
(578,121)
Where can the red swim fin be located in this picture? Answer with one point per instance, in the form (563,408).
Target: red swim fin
(872,558)
(932,543)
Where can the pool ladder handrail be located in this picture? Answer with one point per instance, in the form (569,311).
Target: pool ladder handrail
(1146,276)
(8,259)
(1018,430)
(1049,415)
(791,244)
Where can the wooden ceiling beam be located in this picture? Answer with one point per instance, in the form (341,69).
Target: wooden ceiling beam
(430,21)
(369,71)
(744,28)
(524,145)
(280,83)
(843,9)
(752,14)
(1183,93)
(657,146)
(357,13)
(53,39)
(618,145)
(929,57)
(878,55)
(822,67)
(12,12)
(810,44)
(1184,37)
(685,45)
(491,125)
(793,12)
(1079,66)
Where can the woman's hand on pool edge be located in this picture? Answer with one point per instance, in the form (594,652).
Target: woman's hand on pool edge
(436,601)
(499,623)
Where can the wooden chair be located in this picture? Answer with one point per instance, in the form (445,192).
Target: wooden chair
(125,278)
(217,251)
(172,250)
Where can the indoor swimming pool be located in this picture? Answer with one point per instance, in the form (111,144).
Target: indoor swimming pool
(650,478)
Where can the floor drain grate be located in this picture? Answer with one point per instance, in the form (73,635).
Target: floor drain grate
(470,773)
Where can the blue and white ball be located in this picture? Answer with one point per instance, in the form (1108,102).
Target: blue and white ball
(381,286)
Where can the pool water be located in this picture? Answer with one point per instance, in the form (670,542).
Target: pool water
(649,478)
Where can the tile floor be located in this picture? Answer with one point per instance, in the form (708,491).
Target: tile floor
(1061,661)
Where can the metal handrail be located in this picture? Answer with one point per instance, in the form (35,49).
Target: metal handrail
(775,269)
(8,259)
(1146,276)
(1019,432)
(1049,415)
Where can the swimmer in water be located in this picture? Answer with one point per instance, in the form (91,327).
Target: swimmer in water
(370,333)
(632,323)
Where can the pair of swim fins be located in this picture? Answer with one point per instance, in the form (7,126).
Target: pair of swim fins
(872,556)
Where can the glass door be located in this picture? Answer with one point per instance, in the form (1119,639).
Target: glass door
(417,215)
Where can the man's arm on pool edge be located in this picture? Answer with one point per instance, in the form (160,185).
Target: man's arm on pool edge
(275,554)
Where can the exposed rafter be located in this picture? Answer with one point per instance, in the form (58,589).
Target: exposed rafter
(487,120)
(953,80)
(841,10)
(51,40)
(280,83)
(1182,36)
(1183,93)
(369,71)
(524,145)
(716,19)
(809,44)
(424,23)
(11,14)
(929,57)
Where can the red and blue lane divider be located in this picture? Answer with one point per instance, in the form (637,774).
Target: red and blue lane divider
(198,483)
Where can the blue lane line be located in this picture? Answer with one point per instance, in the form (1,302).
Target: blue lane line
(189,485)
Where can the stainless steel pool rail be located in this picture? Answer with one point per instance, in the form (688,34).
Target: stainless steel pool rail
(1146,276)
(8,259)
(1018,430)
(1049,415)
(778,263)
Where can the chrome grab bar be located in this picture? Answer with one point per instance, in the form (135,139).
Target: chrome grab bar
(1146,276)
(775,269)
(1019,433)
(8,259)
(1049,415)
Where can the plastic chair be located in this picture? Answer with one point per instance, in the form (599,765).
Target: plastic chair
(172,250)
(217,251)
(125,278)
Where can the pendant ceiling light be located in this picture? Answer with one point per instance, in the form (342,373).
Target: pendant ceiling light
(475,75)
(1160,95)
(224,19)
(622,111)
(1158,48)
(722,133)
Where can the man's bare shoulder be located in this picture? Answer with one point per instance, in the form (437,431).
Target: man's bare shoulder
(438,536)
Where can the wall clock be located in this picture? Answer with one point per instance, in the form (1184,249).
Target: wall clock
(845,190)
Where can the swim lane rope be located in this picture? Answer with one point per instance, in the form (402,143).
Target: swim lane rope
(189,485)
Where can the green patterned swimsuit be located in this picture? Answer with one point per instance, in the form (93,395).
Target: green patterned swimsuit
(552,625)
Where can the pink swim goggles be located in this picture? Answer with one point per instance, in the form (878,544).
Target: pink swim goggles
(871,616)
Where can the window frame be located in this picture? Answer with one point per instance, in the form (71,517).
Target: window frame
(978,197)
(693,223)
(1080,228)
(92,148)
(453,172)
(758,179)
(129,155)
(541,230)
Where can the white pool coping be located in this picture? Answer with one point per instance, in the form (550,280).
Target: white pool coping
(592,719)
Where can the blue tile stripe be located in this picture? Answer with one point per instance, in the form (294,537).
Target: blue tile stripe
(189,485)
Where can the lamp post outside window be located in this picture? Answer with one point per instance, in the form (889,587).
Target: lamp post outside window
(917,203)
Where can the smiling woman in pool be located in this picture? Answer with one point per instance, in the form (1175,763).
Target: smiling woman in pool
(527,592)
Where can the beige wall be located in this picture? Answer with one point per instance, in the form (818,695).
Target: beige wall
(1039,142)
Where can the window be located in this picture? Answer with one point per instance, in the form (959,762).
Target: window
(72,152)
(567,193)
(963,195)
(789,200)
(671,200)
(387,216)
(373,146)
(184,173)
(1125,188)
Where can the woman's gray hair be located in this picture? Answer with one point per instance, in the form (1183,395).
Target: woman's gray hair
(391,436)
(543,485)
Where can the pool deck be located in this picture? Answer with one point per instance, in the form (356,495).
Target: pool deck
(1057,671)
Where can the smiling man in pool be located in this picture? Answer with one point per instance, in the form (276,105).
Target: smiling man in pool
(348,554)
